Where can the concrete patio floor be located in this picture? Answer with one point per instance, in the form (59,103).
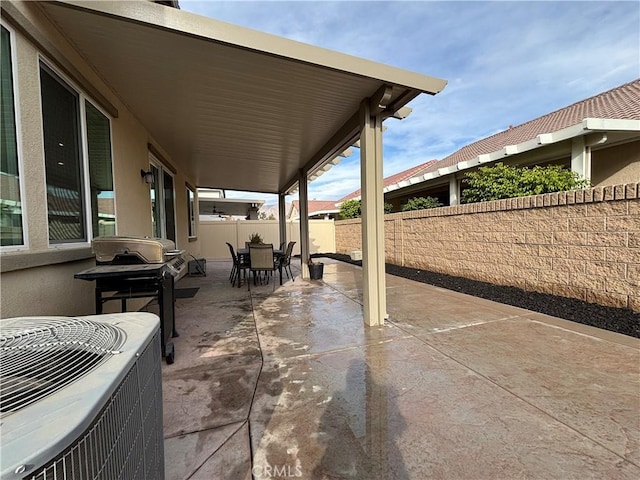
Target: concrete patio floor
(291,384)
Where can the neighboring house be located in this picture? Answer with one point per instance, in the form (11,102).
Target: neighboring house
(318,209)
(390,181)
(214,206)
(598,137)
(325,209)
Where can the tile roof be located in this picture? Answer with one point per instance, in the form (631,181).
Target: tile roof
(622,102)
(317,206)
(393,179)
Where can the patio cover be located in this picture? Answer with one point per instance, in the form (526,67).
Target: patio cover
(242,110)
(238,109)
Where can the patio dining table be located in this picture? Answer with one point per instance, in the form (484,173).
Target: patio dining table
(243,256)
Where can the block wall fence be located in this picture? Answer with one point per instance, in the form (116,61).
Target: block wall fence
(582,244)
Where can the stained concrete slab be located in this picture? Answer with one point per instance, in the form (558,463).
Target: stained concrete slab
(362,413)
(302,324)
(231,462)
(203,398)
(452,387)
(216,330)
(189,452)
(584,397)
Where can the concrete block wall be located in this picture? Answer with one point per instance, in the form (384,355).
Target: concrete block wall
(349,236)
(582,244)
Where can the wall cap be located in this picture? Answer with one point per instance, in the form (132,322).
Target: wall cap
(611,193)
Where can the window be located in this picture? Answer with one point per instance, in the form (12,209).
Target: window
(191,211)
(162,202)
(100,172)
(78,166)
(11,222)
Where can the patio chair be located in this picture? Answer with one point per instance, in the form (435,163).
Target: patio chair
(238,266)
(261,260)
(285,262)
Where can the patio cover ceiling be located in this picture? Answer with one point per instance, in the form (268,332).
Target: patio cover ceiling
(235,108)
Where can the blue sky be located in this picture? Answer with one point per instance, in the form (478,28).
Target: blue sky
(506,62)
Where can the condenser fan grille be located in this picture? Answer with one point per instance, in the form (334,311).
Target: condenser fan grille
(41,356)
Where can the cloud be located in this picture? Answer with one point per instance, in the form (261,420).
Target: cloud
(506,62)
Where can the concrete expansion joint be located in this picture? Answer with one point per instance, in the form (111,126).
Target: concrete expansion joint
(524,400)
(344,294)
(612,338)
(196,474)
(473,324)
(201,430)
(255,386)
(306,356)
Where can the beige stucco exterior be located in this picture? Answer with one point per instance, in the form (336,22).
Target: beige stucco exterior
(38,279)
(616,165)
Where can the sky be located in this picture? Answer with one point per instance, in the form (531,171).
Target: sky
(506,63)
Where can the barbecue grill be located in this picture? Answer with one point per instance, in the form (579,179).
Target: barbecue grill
(138,267)
(115,250)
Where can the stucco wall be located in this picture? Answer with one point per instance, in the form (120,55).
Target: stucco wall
(583,244)
(38,278)
(616,165)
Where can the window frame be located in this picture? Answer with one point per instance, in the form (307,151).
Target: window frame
(158,185)
(192,224)
(18,126)
(95,105)
(85,176)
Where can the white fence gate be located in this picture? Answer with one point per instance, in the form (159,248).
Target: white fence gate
(214,235)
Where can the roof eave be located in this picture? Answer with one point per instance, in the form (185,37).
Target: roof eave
(217,31)
(587,126)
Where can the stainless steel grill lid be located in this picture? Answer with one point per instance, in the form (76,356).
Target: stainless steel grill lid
(39,357)
(149,250)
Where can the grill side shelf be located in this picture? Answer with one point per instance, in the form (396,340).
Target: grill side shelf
(121,271)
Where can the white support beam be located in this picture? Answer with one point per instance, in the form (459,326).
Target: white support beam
(371,177)
(581,158)
(454,191)
(304,223)
(282,217)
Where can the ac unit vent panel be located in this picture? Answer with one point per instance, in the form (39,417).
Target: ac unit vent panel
(38,358)
(86,398)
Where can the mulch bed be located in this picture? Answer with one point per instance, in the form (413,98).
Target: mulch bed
(619,320)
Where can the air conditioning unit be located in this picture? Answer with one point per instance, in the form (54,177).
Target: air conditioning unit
(81,397)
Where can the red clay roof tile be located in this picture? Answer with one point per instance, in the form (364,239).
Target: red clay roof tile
(393,179)
(622,102)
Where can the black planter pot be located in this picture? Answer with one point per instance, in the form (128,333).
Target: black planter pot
(315,271)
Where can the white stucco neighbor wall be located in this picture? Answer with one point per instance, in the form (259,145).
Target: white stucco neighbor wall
(214,235)
(38,279)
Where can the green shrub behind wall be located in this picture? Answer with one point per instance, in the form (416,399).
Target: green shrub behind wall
(353,209)
(421,203)
(506,181)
